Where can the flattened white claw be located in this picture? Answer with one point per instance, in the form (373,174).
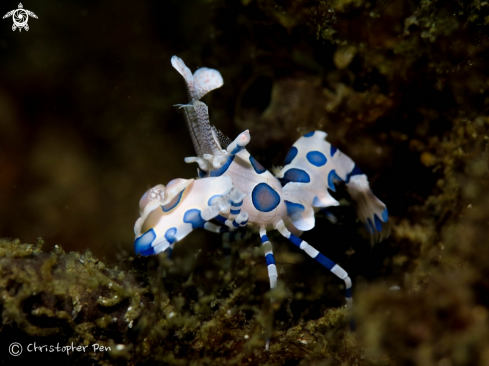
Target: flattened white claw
(206,80)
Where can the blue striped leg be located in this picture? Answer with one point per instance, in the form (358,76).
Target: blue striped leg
(271,267)
(213,228)
(235,209)
(267,247)
(326,262)
(241,220)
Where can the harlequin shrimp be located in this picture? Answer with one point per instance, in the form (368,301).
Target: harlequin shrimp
(234,189)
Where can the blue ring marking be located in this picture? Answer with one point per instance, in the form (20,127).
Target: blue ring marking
(235,212)
(244,223)
(264,197)
(194,218)
(349,292)
(332,150)
(170,206)
(264,238)
(294,209)
(309,134)
(325,261)
(237,149)
(385,215)
(294,239)
(291,155)
(257,166)
(146,252)
(223,229)
(170,235)
(201,173)
(213,200)
(221,219)
(332,176)
(270,259)
(356,171)
(144,242)
(237,204)
(316,158)
(295,175)
(222,170)
(378,223)
(235,224)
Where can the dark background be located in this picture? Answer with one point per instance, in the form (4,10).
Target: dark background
(87,94)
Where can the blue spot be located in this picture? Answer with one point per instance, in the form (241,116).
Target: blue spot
(295,175)
(294,239)
(385,215)
(235,212)
(144,242)
(291,155)
(333,150)
(294,208)
(264,238)
(264,197)
(325,261)
(170,235)
(349,292)
(378,223)
(149,251)
(193,217)
(222,170)
(356,171)
(316,158)
(269,258)
(213,200)
(173,203)
(201,173)
(309,134)
(257,166)
(332,177)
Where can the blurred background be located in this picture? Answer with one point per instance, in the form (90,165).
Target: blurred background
(87,122)
(87,125)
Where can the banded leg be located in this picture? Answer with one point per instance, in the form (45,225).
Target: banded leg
(323,260)
(213,228)
(271,267)
(240,221)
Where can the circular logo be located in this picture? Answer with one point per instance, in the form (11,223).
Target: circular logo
(15,349)
(20,17)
